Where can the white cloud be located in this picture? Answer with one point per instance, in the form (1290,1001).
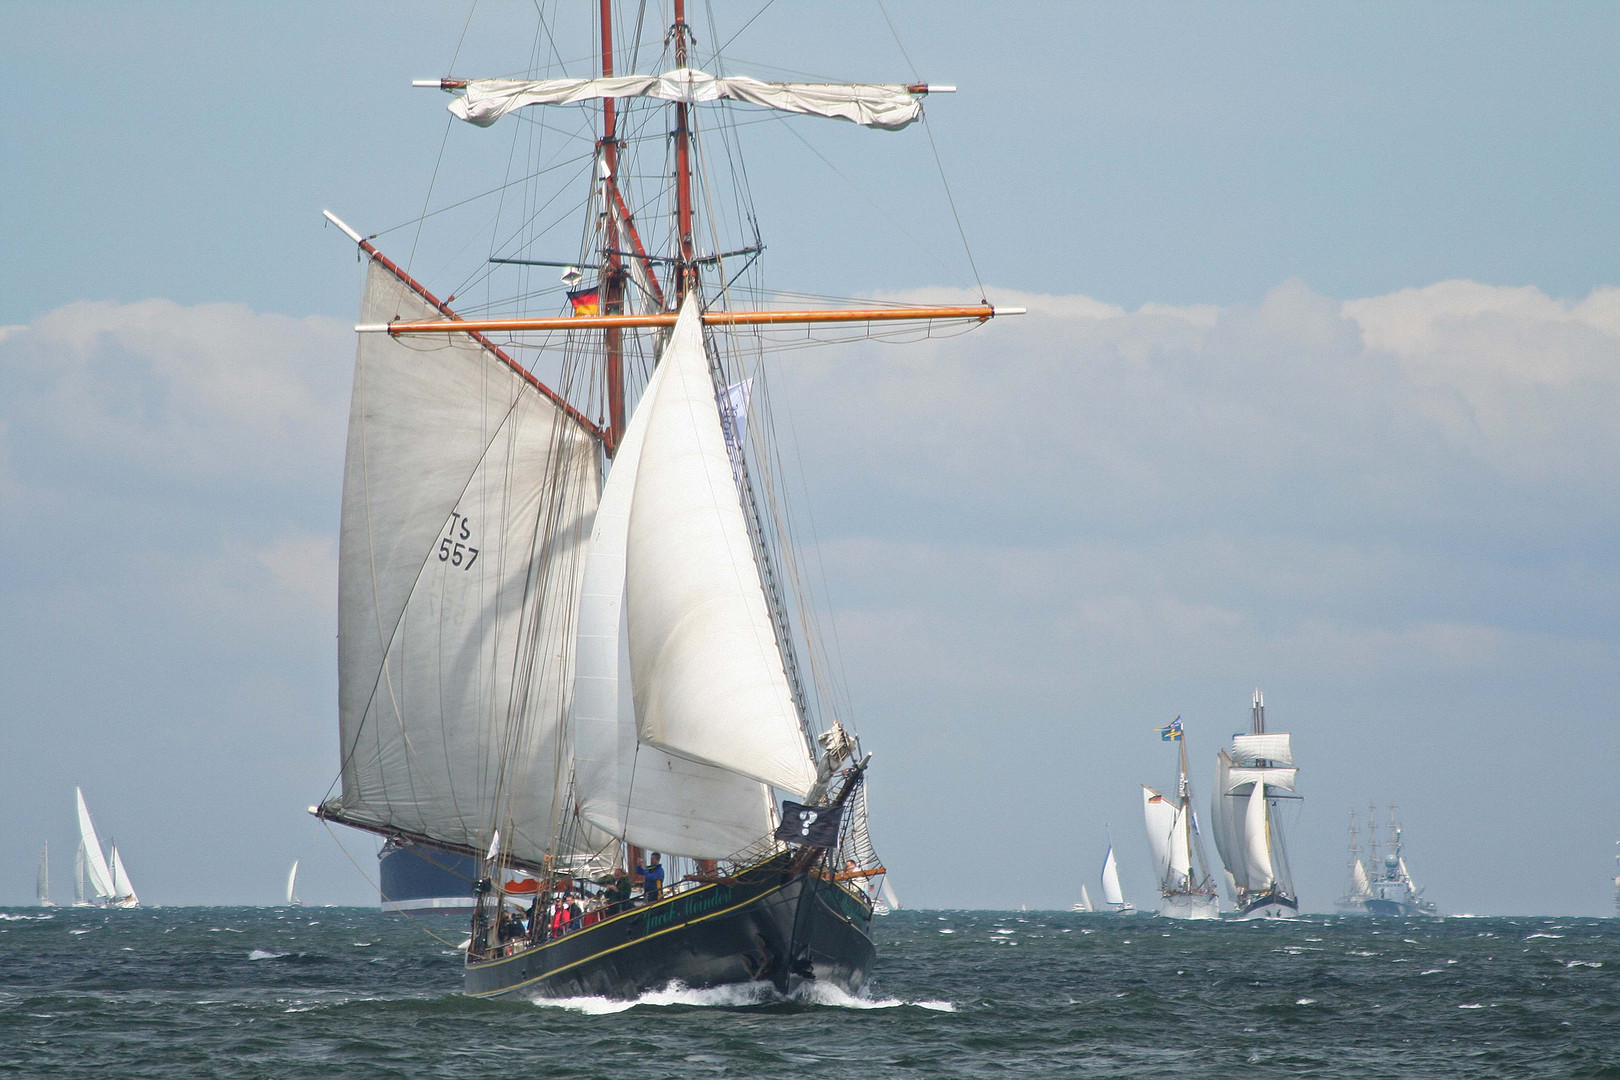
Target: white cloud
(211,393)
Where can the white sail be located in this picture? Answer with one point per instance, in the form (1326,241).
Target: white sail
(78,878)
(1359,885)
(1160,814)
(43,885)
(1257,837)
(1112,895)
(629,789)
(292,884)
(1228,825)
(1085,900)
(1275,747)
(95,863)
(125,888)
(467,501)
(1180,850)
(705,666)
(1277,778)
(883,105)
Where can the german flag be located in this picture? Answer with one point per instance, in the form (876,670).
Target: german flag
(585,301)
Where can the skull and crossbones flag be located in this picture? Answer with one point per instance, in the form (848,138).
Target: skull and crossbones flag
(810,826)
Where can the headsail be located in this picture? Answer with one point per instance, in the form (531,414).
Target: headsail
(709,680)
(630,789)
(882,105)
(125,889)
(1257,839)
(467,501)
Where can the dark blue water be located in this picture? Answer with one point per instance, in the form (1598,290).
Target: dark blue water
(341,992)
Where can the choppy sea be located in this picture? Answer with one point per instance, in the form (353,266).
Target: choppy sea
(345,992)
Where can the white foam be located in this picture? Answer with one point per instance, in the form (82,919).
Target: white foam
(1528,937)
(1306,1001)
(1471,1005)
(6,916)
(741,995)
(1583,963)
(260,954)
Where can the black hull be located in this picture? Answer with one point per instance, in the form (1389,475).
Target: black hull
(764,925)
(1269,905)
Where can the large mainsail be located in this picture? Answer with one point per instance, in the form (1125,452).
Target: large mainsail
(95,863)
(467,502)
(1161,818)
(631,789)
(708,675)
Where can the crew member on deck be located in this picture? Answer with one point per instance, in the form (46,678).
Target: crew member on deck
(652,878)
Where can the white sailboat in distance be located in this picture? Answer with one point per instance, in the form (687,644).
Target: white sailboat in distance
(292,886)
(43,887)
(1084,904)
(1112,894)
(108,879)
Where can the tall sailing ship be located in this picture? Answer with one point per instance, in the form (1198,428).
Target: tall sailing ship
(574,643)
(1186,891)
(1359,889)
(1252,777)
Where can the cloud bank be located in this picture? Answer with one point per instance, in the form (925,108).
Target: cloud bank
(1396,513)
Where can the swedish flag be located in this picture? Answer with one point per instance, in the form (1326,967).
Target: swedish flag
(1171,731)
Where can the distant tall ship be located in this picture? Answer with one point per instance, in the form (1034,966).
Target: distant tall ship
(1359,890)
(1391,889)
(1186,890)
(108,878)
(1250,778)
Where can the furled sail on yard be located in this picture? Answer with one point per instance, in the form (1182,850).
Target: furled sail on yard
(467,500)
(628,788)
(882,105)
(709,680)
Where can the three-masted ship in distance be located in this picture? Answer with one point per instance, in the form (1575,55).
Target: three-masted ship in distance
(1251,778)
(575,643)
(1186,891)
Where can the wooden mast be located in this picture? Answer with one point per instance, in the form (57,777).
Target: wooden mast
(686,266)
(614,271)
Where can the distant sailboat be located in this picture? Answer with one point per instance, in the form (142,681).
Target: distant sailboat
(292,886)
(78,880)
(1185,888)
(1083,905)
(108,878)
(888,901)
(1112,895)
(1248,779)
(43,889)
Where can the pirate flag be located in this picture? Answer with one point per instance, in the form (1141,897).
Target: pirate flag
(810,826)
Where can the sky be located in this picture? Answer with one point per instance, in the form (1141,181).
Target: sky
(1315,394)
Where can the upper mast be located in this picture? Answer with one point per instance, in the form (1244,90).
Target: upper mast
(686,267)
(614,272)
